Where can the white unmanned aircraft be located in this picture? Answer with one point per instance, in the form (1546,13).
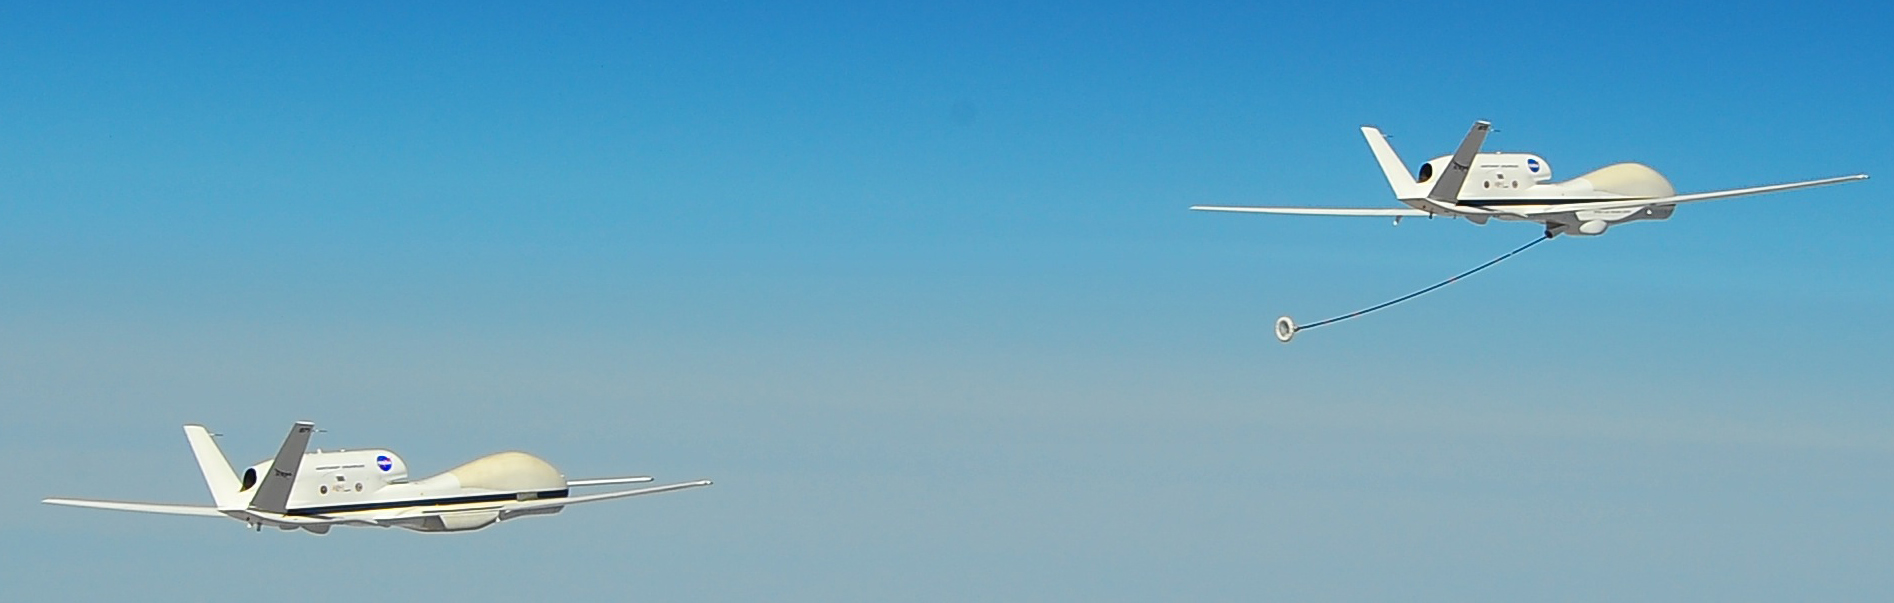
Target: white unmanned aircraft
(1518,186)
(318,490)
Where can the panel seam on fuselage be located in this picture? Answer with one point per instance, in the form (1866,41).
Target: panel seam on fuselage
(1489,202)
(426,502)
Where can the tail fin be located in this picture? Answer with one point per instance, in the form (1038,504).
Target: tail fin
(1447,185)
(217,474)
(272,494)
(1398,179)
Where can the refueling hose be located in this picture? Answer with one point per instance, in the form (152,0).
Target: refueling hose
(1286,329)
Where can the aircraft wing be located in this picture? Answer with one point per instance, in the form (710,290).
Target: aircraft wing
(137,507)
(607,481)
(523,508)
(1318,211)
(1709,196)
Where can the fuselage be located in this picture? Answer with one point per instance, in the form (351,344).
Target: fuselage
(365,484)
(1519,186)
(371,488)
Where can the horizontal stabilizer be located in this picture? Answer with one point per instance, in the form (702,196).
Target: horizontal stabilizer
(1317,211)
(113,505)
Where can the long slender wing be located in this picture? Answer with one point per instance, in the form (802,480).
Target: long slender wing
(280,519)
(522,507)
(137,507)
(607,481)
(1709,196)
(1317,211)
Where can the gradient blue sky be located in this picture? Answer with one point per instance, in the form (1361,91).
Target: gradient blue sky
(917,287)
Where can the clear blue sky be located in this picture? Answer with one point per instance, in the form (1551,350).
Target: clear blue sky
(918,289)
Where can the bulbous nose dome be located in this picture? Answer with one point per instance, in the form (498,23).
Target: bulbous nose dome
(516,471)
(1631,180)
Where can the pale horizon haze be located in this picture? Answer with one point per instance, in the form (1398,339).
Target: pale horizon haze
(918,288)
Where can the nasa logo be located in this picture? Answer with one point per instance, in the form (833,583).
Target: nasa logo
(384,462)
(1533,164)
